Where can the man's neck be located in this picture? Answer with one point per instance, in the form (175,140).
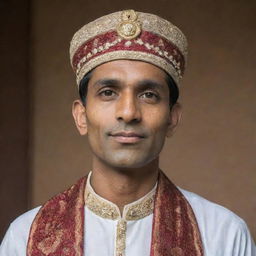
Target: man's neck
(123,186)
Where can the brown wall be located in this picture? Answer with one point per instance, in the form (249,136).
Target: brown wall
(212,152)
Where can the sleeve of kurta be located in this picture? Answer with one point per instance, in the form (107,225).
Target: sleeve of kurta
(243,242)
(12,245)
(16,237)
(5,244)
(223,232)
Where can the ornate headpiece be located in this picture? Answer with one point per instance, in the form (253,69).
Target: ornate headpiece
(129,35)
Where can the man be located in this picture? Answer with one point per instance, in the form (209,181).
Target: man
(128,67)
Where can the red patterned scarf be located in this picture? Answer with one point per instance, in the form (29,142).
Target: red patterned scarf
(58,228)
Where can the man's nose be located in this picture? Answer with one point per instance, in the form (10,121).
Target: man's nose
(128,108)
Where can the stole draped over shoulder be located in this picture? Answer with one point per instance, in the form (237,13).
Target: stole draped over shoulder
(58,228)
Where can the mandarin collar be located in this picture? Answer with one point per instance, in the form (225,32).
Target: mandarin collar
(108,210)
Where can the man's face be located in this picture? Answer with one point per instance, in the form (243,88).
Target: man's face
(127,113)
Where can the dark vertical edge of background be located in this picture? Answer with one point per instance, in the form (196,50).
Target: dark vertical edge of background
(15,110)
(30,102)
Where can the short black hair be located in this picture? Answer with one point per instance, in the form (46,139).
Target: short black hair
(173,88)
(83,86)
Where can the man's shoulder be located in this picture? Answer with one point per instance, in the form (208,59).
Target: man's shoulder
(16,237)
(222,231)
(205,207)
(26,218)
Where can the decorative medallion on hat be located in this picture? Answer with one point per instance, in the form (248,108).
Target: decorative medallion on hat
(129,27)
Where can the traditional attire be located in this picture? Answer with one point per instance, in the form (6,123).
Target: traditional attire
(166,221)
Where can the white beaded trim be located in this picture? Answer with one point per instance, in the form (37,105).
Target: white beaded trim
(108,45)
(128,55)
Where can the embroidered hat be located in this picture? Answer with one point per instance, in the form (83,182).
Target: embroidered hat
(129,35)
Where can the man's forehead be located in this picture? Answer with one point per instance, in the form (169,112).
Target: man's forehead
(125,71)
(135,65)
(129,35)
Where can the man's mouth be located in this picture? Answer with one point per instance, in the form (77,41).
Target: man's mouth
(127,137)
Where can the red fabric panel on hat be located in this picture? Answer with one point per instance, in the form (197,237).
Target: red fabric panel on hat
(146,42)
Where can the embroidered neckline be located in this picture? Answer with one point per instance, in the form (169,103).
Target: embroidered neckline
(108,210)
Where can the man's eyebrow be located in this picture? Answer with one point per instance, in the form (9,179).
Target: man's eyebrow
(106,82)
(151,84)
(143,84)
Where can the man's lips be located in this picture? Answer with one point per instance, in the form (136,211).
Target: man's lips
(127,137)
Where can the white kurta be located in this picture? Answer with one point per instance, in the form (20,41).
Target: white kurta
(223,233)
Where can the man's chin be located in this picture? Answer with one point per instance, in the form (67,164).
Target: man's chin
(127,162)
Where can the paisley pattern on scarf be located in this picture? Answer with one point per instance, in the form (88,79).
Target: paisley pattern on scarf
(58,226)
(175,229)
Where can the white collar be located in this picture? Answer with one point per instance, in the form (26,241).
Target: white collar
(108,210)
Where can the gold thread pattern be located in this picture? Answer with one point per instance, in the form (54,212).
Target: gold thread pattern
(140,210)
(101,208)
(176,251)
(50,223)
(177,75)
(121,237)
(106,209)
(196,233)
(132,55)
(148,22)
(171,206)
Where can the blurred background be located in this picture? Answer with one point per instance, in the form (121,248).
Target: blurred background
(213,150)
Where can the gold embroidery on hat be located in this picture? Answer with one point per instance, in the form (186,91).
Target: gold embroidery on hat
(129,27)
(150,22)
(161,43)
(132,55)
(95,42)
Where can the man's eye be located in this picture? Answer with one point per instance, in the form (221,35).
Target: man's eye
(107,93)
(149,95)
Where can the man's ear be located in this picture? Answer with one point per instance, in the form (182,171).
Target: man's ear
(79,114)
(175,117)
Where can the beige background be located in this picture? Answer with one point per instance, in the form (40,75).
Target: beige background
(212,152)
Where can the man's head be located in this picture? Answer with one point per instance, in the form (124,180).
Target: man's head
(128,67)
(127,114)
